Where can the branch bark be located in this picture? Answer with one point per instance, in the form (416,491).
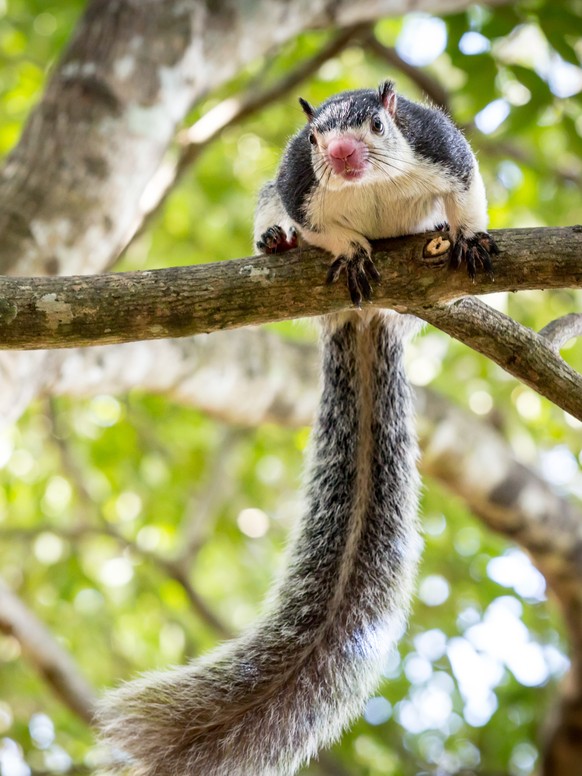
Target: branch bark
(560,331)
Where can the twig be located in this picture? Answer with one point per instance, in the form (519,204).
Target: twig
(214,491)
(562,330)
(425,82)
(499,147)
(169,567)
(177,572)
(49,658)
(172,568)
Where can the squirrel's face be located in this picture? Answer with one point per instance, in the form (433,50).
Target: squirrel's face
(354,140)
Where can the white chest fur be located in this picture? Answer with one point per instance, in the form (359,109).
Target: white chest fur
(405,204)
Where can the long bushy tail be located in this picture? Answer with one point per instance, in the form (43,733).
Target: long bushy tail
(265,703)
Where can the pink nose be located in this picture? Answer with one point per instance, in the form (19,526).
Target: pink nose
(342,147)
(347,156)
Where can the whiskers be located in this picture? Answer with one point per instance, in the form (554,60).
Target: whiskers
(384,162)
(400,172)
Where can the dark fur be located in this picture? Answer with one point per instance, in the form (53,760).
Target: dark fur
(296,178)
(433,136)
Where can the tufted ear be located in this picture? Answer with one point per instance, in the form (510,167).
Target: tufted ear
(307,109)
(387,96)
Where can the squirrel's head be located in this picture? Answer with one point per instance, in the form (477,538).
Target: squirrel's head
(353,136)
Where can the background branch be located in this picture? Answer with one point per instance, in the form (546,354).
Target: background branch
(195,139)
(44,652)
(431,87)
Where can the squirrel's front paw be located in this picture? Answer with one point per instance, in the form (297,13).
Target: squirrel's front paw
(475,251)
(276,240)
(359,269)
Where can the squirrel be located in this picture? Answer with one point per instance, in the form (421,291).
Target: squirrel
(367,164)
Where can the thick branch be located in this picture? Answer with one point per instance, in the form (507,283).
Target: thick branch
(70,311)
(54,664)
(121,307)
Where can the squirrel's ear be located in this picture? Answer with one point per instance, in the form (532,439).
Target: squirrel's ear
(388,96)
(307,109)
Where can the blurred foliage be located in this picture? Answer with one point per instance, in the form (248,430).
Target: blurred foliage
(95,495)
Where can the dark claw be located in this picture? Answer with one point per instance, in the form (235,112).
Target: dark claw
(476,252)
(363,284)
(335,270)
(470,261)
(353,287)
(359,270)
(274,240)
(370,269)
(442,227)
(457,254)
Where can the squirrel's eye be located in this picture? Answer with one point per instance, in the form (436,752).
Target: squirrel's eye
(312,138)
(377,126)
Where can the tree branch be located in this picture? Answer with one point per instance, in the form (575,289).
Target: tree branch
(517,349)
(120,307)
(117,307)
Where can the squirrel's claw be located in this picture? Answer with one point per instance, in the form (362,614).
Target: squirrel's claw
(476,252)
(276,240)
(359,269)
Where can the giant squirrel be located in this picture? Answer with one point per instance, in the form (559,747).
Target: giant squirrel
(368,164)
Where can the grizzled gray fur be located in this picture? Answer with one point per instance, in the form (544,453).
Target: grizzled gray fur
(264,704)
